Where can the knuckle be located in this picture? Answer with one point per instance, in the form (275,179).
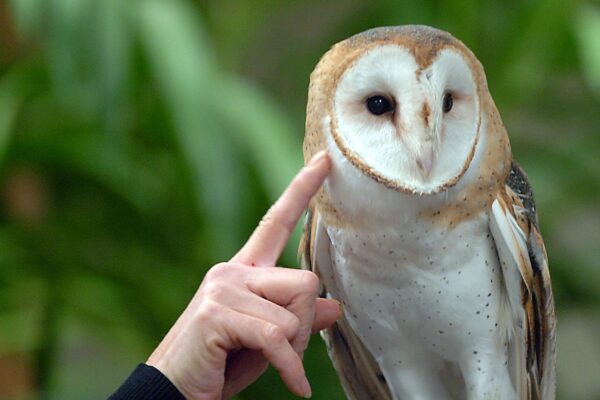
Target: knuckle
(220,281)
(218,271)
(310,281)
(291,325)
(207,311)
(273,334)
(213,342)
(303,337)
(216,291)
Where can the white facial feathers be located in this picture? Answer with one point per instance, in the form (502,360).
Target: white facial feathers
(418,146)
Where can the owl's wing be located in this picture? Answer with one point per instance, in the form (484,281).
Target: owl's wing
(513,223)
(359,373)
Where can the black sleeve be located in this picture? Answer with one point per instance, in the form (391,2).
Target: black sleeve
(147,383)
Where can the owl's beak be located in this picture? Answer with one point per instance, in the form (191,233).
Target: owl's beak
(420,143)
(425,161)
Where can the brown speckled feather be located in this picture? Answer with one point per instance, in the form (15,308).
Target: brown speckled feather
(537,298)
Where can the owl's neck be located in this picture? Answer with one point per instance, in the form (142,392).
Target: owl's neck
(355,197)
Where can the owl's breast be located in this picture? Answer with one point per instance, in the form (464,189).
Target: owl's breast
(418,285)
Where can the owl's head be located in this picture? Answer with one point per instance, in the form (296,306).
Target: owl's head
(402,104)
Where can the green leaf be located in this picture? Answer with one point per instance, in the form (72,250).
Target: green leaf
(587,30)
(262,128)
(113,63)
(29,14)
(98,157)
(11,97)
(188,78)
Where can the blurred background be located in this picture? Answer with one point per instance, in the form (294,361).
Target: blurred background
(141,141)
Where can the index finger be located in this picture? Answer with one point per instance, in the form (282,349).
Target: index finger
(270,237)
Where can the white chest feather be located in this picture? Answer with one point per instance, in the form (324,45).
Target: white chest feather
(420,285)
(425,300)
(428,301)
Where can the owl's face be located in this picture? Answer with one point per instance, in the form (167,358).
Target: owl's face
(413,128)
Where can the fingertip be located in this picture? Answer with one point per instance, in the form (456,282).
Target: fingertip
(340,308)
(312,176)
(305,388)
(327,311)
(322,157)
(320,164)
(298,386)
(335,306)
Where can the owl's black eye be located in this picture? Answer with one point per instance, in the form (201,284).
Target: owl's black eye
(448,103)
(378,105)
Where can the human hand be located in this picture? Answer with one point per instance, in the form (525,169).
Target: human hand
(247,314)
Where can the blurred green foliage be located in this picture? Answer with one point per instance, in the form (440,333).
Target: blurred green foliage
(141,140)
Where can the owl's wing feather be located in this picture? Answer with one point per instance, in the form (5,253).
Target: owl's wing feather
(359,373)
(513,223)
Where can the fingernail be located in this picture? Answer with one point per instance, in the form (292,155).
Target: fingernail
(305,388)
(317,158)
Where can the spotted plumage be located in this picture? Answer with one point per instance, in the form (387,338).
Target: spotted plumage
(426,229)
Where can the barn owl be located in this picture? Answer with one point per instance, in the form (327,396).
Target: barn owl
(426,228)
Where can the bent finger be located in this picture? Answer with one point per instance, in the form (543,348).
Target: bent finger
(296,290)
(282,285)
(256,334)
(259,307)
